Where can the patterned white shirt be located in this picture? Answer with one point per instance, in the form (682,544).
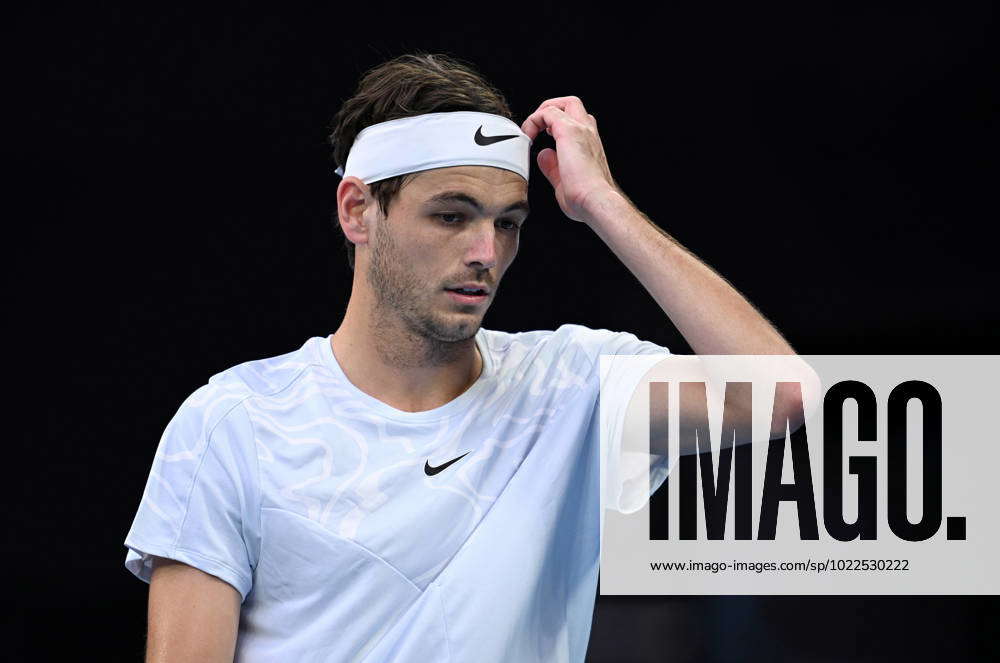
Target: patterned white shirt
(331,514)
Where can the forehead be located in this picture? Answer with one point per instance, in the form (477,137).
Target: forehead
(489,184)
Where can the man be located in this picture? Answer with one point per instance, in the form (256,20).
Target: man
(415,487)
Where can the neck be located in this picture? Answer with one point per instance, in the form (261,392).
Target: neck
(384,358)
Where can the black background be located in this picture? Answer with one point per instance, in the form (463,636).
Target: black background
(834,163)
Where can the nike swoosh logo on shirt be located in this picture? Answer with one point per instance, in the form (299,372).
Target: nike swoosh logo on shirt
(431,471)
(489,140)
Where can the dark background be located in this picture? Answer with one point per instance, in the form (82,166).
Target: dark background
(834,163)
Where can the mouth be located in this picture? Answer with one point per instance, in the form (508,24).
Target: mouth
(468,295)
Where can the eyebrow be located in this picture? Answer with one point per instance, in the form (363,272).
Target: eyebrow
(460,197)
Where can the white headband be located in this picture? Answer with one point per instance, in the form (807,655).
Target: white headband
(437,140)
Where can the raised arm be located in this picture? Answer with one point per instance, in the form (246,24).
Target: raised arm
(713,317)
(193,616)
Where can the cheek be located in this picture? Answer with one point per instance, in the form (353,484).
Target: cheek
(509,248)
(415,253)
(425,261)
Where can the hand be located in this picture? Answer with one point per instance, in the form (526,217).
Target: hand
(577,169)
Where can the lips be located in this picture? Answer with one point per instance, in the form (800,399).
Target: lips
(468,295)
(470,289)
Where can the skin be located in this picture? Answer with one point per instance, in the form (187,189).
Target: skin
(712,316)
(404,340)
(193,616)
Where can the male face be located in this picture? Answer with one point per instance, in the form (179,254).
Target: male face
(446,228)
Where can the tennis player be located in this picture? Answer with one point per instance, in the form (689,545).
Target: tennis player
(414,487)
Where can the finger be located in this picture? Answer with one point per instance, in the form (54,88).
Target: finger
(533,124)
(548,118)
(548,163)
(571,105)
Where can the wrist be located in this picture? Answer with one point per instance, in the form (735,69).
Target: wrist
(606,205)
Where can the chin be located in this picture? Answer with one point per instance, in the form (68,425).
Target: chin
(455,330)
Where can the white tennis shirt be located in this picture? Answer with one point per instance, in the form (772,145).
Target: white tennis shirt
(313,499)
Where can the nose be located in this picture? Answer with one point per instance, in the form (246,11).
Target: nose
(482,252)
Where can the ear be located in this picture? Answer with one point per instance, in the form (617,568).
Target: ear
(353,198)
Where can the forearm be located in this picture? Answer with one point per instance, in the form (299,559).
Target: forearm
(713,317)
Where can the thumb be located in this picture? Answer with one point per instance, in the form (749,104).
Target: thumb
(548,163)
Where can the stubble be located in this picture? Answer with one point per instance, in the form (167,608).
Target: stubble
(403,326)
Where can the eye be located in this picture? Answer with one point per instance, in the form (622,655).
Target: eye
(507,224)
(449,218)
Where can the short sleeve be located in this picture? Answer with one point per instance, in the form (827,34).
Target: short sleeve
(628,477)
(201,503)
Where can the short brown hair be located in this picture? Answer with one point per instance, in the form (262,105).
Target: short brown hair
(408,85)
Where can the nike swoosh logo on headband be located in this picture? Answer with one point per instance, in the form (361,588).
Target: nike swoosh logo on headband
(489,140)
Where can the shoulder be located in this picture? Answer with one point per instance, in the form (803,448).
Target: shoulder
(563,334)
(218,401)
(269,375)
(512,347)
(570,348)
(572,338)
